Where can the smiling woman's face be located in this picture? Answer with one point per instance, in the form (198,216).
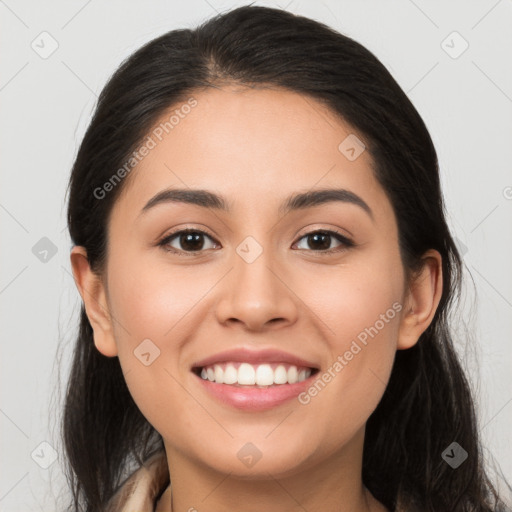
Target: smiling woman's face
(251,278)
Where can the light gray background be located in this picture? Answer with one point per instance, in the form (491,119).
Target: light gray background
(466,103)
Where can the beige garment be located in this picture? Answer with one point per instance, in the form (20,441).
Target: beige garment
(139,492)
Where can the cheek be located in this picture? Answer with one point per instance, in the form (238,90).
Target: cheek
(152,302)
(354,299)
(156,314)
(361,312)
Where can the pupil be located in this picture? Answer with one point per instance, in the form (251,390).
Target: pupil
(191,241)
(325,238)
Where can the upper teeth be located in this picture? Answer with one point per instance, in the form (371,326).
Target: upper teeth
(250,375)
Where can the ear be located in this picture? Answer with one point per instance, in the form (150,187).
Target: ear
(92,290)
(422,298)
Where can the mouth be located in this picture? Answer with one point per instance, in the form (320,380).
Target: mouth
(260,375)
(250,380)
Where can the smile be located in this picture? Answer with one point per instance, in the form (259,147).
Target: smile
(260,375)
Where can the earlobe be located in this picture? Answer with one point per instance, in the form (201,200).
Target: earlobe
(424,294)
(92,291)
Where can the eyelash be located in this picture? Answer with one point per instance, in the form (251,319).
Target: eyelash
(335,234)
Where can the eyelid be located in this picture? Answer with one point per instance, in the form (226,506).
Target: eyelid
(165,240)
(315,228)
(343,239)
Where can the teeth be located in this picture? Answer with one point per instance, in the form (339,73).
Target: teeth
(230,375)
(280,375)
(264,375)
(246,374)
(218,373)
(293,375)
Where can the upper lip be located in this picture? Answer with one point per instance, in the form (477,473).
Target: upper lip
(254,356)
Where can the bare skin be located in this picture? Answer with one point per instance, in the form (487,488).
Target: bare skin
(255,148)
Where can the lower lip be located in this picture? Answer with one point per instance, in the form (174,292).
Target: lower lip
(251,398)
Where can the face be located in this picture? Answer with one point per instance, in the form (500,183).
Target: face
(318,286)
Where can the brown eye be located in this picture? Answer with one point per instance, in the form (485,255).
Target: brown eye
(188,240)
(321,241)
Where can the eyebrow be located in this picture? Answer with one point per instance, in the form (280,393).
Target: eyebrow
(298,201)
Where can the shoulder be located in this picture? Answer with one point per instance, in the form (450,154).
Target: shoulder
(141,490)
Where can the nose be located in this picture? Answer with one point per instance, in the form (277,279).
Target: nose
(257,294)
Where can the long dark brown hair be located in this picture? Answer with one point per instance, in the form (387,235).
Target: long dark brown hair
(428,402)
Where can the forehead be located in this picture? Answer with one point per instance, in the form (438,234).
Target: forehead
(248,143)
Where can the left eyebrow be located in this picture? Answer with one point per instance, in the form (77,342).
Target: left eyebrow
(322,196)
(298,201)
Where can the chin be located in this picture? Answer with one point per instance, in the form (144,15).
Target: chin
(251,461)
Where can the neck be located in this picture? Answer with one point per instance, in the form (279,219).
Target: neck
(332,485)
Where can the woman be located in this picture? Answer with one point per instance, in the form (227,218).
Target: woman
(266,274)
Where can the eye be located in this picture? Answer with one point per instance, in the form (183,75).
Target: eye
(191,240)
(321,240)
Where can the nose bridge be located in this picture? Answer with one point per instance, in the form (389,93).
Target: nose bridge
(253,266)
(255,293)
